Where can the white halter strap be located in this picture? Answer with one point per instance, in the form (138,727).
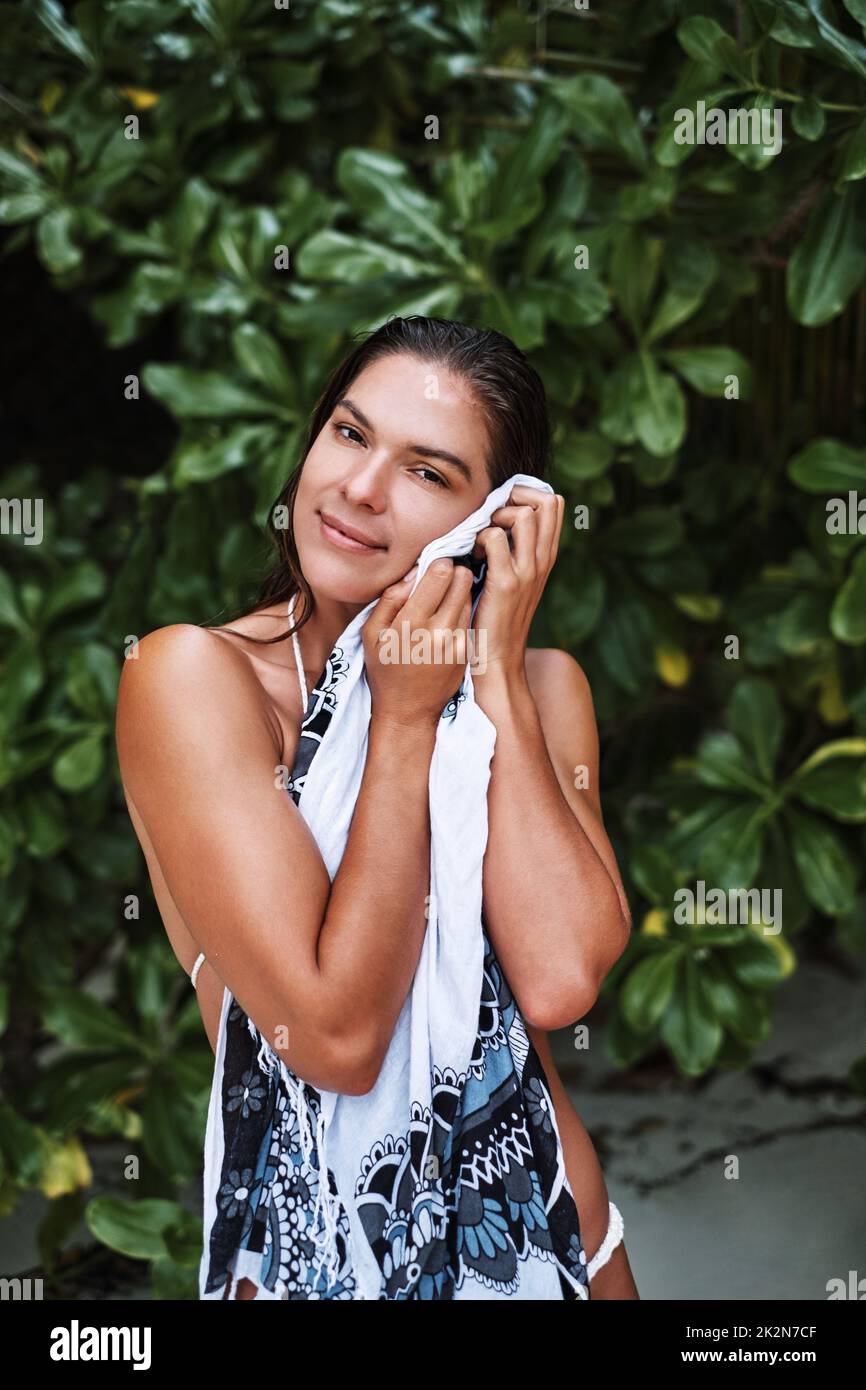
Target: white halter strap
(299,662)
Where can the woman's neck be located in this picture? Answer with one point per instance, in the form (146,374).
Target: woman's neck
(319,635)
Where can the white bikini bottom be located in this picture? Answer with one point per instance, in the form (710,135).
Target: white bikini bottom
(608,1245)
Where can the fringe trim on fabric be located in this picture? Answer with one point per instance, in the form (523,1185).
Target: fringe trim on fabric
(327,1202)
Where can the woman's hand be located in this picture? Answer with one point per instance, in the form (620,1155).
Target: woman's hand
(515,580)
(414,671)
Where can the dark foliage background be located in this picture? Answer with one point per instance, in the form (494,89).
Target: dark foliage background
(200,200)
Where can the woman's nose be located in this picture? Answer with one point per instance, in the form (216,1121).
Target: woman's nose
(366,484)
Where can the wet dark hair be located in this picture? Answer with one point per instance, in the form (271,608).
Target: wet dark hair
(510,394)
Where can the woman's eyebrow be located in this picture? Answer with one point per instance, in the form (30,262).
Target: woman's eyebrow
(345,404)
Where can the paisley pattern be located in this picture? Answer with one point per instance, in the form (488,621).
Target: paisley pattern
(474,1187)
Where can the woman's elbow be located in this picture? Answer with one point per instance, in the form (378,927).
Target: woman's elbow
(568,1000)
(562,1008)
(355,1061)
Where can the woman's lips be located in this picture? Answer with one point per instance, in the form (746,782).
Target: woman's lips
(345,542)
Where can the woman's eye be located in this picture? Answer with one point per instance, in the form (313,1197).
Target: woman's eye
(440,482)
(348,427)
(432,477)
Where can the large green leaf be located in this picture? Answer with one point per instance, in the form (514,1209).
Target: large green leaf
(848,614)
(79,765)
(24,1147)
(829,263)
(45,824)
(514,195)
(689,1027)
(136,1229)
(653,872)
(81,584)
(10,607)
(331,255)
(828,465)
(625,644)
(649,986)
(849,52)
(170,1128)
(853,154)
(690,268)
(634,266)
(742,1011)
(837,788)
(190,215)
(259,355)
(576,605)
(584,455)
(755,715)
(200,393)
(828,873)
(616,418)
(753,963)
(808,117)
(658,407)
(67,36)
(706,41)
(708,369)
(576,303)
(382,189)
(92,674)
(731,857)
(81,1020)
(648,531)
(55,240)
(720,763)
(604,118)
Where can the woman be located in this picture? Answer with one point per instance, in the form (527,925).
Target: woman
(415,428)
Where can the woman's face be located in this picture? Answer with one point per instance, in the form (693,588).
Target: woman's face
(387,465)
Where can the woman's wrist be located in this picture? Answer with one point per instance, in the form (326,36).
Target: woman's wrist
(500,687)
(411,731)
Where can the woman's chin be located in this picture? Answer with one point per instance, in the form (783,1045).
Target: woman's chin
(341,583)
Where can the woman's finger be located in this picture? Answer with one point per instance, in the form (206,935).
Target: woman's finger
(524,535)
(556,532)
(546,507)
(431,589)
(453,602)
(549,525)
(520,524)
(492,544)
(392,600)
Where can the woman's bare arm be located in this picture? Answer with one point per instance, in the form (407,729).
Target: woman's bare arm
(553,895)
(321,969)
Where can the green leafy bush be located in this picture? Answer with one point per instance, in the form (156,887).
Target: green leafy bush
(247,185)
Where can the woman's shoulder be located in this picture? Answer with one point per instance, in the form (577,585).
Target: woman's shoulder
(183,672)
(556,679)
(183,652)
